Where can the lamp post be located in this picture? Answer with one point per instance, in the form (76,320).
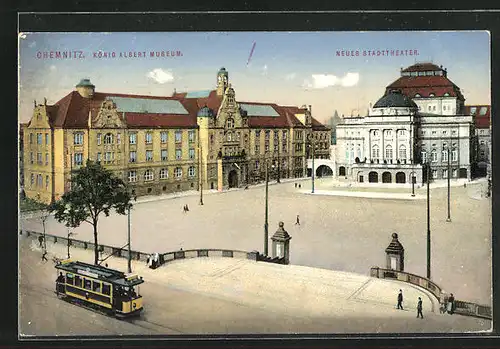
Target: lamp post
(413,184)
(69,241)
(266,224)
(312,145)
(449,173)
(428,169)
(200,171)
(129,259)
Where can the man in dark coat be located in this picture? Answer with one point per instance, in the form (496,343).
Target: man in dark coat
(451,304)
(419,308)
(400,300)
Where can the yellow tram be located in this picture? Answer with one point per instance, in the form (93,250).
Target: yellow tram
(95,286)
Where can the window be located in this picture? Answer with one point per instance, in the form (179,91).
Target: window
(105,289)
(285,134)
(483,110)
(149,138)
(78,281)
(78,159)
(375,152)
(191,153)
(39,180)
(276,146)
(96,286)
(39,158)
(388,133)
(46,182)
(47,140)
(164,155)
(132,176)
(132,138)
(46,158)
(32,158)
(87,284)
(69,279)
(99,158)
(388,152)
(178,154)
(473,110)
(211,139)
(433,132)
(148,175)
(230,123)
(454,132)
(446,94)
(178,172)
(257,148)
(163,173)
(109,157)
(132,156)
(31,138)
(454,172)
(434,174)
(444,155)
(191,171)
(402,152)
(163,137)
(149,155)
(267,146)
(417,95)
(434,155)
(38,138)
(118,138)
(178,136)
(267,134)
(191,136)
(424,156)
(256,164)
(99,139)
(229,136)
(257,134)
(108,138)
(429,108)
(432,95)
(401,132)
(444,132)
(454,155)
(32,181)
(284,147)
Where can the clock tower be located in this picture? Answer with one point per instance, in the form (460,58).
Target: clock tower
(222,81)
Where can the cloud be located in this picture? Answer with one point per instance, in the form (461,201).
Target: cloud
(161,76)
(290,76)
(320,81)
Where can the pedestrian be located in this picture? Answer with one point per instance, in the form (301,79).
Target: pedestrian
(419,308)
(40,240)
(184,209)
(451,304)
(295,185)
(465,185)
(300,185)
(44,256)
(400,300)
(187,208)
(297,220)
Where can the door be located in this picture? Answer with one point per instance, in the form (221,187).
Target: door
(232,179)
(393,263)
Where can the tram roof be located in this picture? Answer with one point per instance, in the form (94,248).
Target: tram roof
(99,272)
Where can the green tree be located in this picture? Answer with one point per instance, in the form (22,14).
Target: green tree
(94,190)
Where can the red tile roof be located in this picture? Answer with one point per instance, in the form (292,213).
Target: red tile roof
(73,111)
(424,85)
(481,121)
(422,67)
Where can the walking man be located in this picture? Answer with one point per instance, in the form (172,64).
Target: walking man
(419,308)
(40,240)
(400,300)
(44,256)
(297,221)
(451,304)
(295,185)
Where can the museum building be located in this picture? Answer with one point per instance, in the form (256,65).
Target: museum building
(157,144)
(420,119)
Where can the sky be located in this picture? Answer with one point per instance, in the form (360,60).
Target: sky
(287,68)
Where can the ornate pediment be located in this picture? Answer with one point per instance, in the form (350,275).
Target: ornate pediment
(40,118)
(108,116)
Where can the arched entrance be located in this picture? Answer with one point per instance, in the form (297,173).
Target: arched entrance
(341,171)
(323,171)
(373,177)
(400,177)
(386,177)
(462,173)
(232,179)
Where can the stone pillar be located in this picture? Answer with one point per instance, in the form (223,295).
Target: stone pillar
(395,254)
(281,244)
(220,178)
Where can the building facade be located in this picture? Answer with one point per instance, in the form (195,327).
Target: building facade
(186,141)
(482,117)
(420,119)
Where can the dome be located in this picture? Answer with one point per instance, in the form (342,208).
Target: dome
(223,71)
(85,83)
(205,112)
(395,99)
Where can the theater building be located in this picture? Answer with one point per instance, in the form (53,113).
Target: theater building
(420,119)
(158,144)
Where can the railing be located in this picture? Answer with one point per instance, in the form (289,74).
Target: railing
(460,307)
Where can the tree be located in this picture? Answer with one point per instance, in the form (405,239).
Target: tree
(94,190)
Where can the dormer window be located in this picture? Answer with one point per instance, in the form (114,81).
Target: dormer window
(418,95)
(446,94)
(432,95)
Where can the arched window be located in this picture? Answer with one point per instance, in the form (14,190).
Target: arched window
(230,123)
(108,138)
(163,173)
(402,152)
(375,152)
(434,156)
(178,172)
(432,95)
(388,152)
(191,171)
(148,175)
(446,94)
(417,95)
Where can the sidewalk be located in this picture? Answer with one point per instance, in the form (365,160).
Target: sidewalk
(367,194)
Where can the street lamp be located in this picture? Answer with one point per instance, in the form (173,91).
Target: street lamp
(428,169)
(266,223)
(200,172)
(129,259)
(413,179)
(449,173)
(69,241)
(312,146)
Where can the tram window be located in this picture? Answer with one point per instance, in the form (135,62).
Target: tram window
(105,289)
(87,284)
(78,281)
(69,279)
(96,286)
